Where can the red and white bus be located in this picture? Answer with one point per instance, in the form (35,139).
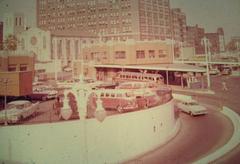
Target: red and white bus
(138,76)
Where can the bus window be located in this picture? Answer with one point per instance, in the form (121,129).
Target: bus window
(112,95)
(119,95)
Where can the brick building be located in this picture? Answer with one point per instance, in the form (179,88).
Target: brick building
(217,42)
(194,38)
(179,25)
(1,35)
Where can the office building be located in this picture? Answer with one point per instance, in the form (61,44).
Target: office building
(179,25)
(194,38)
(108,19)
(1,35)
(217,41)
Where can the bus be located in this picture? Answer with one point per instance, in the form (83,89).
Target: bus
(138,76)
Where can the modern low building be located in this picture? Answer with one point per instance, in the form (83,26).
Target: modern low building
(16,74)
(103,61)
(17,83)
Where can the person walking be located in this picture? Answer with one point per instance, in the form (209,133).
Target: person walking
(224,86)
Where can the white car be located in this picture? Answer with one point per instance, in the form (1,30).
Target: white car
(18,110)
(213,71)
(192,107)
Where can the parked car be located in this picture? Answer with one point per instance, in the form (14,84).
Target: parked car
(214,71)
(18,110)
(147,98)
(192,107)
(226,71)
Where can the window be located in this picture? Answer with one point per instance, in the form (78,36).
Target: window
(140,54)
(23,67)
(162,54)
(12,67)
(120,54)
(151,53)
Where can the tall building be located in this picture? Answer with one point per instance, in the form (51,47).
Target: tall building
(194,38)
(1,35)
(217,42)
(13,24)
(179,25)
(109,19)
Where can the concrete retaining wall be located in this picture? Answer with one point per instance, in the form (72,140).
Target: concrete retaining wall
(116,139)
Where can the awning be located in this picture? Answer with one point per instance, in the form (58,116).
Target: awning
(161,67)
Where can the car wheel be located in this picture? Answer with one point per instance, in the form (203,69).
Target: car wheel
(146,105)
(191,114)
(120,109)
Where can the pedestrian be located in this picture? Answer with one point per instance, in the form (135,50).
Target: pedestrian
(224,86)
(57,106)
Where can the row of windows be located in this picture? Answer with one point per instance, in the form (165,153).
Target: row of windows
(140,54)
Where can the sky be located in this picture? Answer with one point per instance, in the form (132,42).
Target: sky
(209,14)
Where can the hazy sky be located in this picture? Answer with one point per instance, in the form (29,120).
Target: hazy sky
(209,14)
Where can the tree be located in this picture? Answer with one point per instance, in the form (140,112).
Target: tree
(10,43)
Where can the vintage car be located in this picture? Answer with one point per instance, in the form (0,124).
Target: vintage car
(192,107)
(120,100)
(146,98)
(18,110)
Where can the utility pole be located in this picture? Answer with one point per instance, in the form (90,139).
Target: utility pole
(206,48)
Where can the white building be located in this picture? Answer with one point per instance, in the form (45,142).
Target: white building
(67,45)
(36,41)
(13,23)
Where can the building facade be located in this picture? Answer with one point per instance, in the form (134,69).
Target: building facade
(11,62)
(67,45)
(179,24)
(37,42)
(16,74)
(195,35)
(109,19)
(217,41)
(14,24)
(1,35)
(122,53)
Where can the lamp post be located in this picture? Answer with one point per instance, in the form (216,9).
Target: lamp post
(206,49)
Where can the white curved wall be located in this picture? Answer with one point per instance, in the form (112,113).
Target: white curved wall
(116,139)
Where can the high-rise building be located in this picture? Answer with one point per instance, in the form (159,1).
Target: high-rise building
(217,41)
(194,38)
(109,19)
(1,35)
(179,25)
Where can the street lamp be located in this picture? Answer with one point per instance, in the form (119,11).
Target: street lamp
(206,43)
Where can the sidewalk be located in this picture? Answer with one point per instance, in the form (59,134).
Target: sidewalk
(188,90)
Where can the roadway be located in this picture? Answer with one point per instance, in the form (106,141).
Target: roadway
(198,136)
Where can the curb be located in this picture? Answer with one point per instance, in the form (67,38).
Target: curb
(231,144)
